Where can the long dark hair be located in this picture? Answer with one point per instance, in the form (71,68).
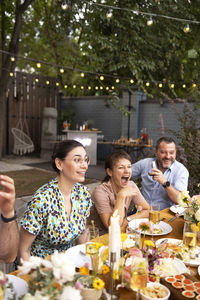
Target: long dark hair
(62,149)
(113,158)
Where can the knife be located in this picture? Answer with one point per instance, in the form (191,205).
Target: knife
(172,219)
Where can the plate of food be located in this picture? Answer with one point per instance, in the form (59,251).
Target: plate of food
(177,209)
(159,229)
(191,257)
(170,267)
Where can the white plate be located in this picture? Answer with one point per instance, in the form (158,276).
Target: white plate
(20,287)
(190,262)
(77,258)
(177,209)
(166,228)
(170,267)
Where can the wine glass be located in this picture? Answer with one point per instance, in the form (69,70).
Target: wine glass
(154,215)
(189,235)
(139,275)
(92,235)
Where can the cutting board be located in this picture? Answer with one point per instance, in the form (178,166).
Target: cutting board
(176,294)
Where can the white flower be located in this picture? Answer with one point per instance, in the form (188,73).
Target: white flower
(183,198)
(33,263)
(70,293)
(63,268)
(197,215)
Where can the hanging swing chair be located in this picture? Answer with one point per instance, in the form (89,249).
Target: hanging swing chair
(22,141)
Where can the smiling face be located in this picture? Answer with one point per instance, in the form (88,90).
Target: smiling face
(120,173)
(74,166)
(166,154)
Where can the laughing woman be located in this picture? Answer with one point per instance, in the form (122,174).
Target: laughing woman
(117,192)
(56,215)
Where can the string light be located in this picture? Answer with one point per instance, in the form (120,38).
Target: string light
(74,86)
(62,70)
(150,22)
(47,82)
(117,80)
(64,5)
(172,85)
(147,84)
(101,77)
(186,28)
(184,86)
(109,15)
(112,87)
(57,83)
(65,86)
(138,12)
(82,75)
(11,74)
(107,88)
(160,85)
(82,87)
(96,88)
(89,88)
(36,79)
(131,81)
(101,88)
(38,65)
(12,58)
(194,85)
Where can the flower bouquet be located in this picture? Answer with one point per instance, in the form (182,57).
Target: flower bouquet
(192,205)
(57,279)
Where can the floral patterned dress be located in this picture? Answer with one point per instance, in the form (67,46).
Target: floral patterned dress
(46,218)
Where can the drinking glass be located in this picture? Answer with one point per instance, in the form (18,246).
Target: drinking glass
(134,235)
(189,235)
(139,275)
(92,235)
(154,215)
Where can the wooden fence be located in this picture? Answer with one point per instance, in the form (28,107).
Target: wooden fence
(27,96)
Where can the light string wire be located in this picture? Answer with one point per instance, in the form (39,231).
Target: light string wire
(142,13)
(134,83)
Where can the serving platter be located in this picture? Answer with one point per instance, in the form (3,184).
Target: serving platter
(165,227)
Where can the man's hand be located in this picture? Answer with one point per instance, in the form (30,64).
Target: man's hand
(158,176)
(7,196)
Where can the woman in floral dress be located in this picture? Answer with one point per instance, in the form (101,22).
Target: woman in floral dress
(56,215)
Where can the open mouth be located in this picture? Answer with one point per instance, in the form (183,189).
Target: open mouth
(125,179)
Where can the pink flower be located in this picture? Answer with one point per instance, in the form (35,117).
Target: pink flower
(139,208)
(87,265)
(126,273)
(144,226)
(78,285)
(135,252)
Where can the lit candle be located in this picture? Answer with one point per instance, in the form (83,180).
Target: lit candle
(115,237)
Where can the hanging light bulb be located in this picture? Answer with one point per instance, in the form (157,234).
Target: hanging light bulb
(65,86)
(82,75)
(112,87)
(101,88)
(74,86)
(186,29)
(147,84)
(62,70)
(11,74)
(64,5)
(36,79)
(12,58)
(194,85)
(47,82)
(57,83)
(107,88)
(38,65)
(82,87)
(131,81)
(172,85)
(184,86)
(89,87)
(101,77)
(96,87)
(160,85)
(117,80)
(150,22)
(109,14)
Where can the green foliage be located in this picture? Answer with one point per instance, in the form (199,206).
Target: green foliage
(189,140)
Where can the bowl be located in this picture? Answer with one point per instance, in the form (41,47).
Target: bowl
(154,285)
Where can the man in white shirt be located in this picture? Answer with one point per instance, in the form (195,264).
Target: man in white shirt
(163,177)
(9,234)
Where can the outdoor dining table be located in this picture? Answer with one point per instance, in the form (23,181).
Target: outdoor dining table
(176,233)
